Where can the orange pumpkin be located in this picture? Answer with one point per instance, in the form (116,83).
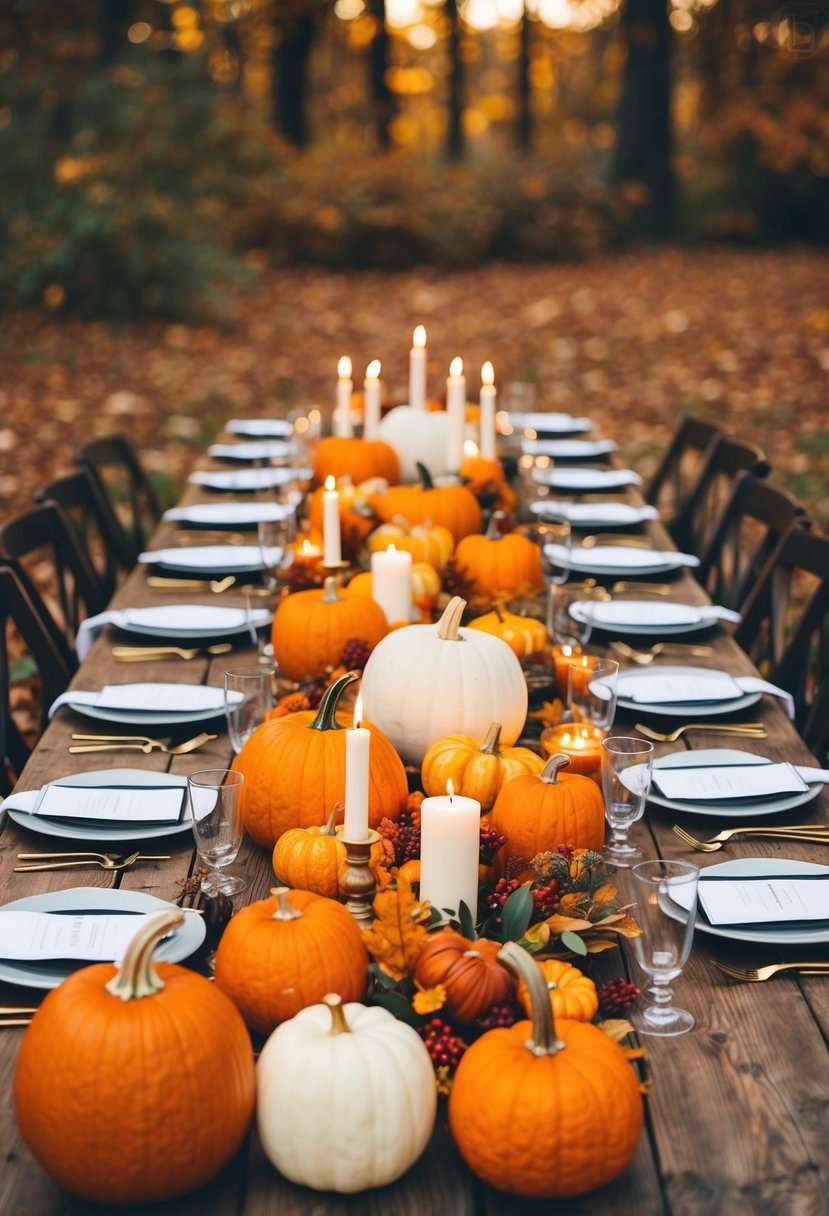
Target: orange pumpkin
(455,507)
(280,954)
(425,583)
(131,1101)
(311,628)
(501,566)
(359,459)
(523,634)
(313,859)
(294,770)
(572,993)
(545,1110)
(426,542)
(478,770)
(478,470)
(468,970)
(538,813)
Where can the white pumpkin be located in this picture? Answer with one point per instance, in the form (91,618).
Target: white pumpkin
(417,436)
(424,682)
(346,1097)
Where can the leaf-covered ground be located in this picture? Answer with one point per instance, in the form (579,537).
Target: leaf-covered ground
(741,337)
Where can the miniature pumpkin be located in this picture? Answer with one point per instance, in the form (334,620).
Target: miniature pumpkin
(501,566)
(294,769)
(126,1100)
(356,520)
(476,769)
(280,954)
(417,436)
(311,628)
(545,1110)
(346,1097)
(313,859)
(455,507)
(360,459)
(469,971)
(523,634)
(478,470)
(572,993)
(424,682)
(426,542)
(425,583)
(538,813)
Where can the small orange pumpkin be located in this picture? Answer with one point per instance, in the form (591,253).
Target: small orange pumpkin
(337,456)
(314,859)
(500,566)
(425,583)
(523,634)
(311,628)
(478,470)
(427,542)
(478,770)
(455,507)
(572,993)
(469,972)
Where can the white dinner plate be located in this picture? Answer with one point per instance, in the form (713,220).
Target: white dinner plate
(686,709)
(758,867)
(247,480)
(586,481)
(749,809)
(206,559)
(147,717)
(48,974)
(631,561)
(250,450)
(548,424)
(569,449)
(260,428)
(581,611)
(228,514)
(204,622)
(593,514)
(102,833)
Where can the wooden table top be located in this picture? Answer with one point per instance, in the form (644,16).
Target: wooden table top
(737,1113)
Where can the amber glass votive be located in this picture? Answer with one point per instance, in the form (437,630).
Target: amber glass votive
(563,655)
(581,742)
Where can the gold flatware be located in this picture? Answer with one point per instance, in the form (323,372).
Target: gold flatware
(141,654)
(617,539)
(651,588)
(181,749)
(12,1010)
(644,657)
(746,730)
(6,1023)
(217,585)
(191,539)
(108,864)
(758,974)
(104,858)
(814,834)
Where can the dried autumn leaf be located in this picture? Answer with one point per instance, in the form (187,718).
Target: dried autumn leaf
(567,924)
(429,1000)
(616,1028)
(597,945)
(397,935)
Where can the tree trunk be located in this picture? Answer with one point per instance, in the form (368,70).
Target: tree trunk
(293,50)
(454,138)
(643,137)
(525,118)
(381,95)
(114,19)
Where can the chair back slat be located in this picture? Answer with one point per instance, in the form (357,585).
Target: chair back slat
(113,463)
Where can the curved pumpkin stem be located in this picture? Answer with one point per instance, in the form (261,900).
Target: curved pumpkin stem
(549,774)
(329,595)
(330,826)
(326,713)
(285,910)
(426,482)
(491,745)
(338,1023)
(449,623)
(544,1040)
(137,976)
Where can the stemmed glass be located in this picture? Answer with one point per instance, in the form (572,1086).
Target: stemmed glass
(591,690)
(663,898)
(215,798)
(249,693)
(627,765)
(276,540)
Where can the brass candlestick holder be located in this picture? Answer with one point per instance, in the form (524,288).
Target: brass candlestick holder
(335,573)
(359,883)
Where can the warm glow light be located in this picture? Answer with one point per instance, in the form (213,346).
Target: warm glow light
(307,549)
(391,549)
(344,368)
(470,449)
(419,338)
(373,370)
(330,483)
(314,417)
(456,367)
(450,789)
(487,374)
(358,709)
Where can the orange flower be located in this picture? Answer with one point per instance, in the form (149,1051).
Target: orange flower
(429,1000)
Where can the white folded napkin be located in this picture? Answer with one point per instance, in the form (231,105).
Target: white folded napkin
(587,479)
(260,428)
(248,479)
(149,698)
(264,449)
(653,689)
(229,514)
(184,620)
(593,514)
(569,449)
(549,424)
(616,556)
(647,614)
(205,557)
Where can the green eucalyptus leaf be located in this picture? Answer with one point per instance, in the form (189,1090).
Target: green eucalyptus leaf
(573,942)
(517,914)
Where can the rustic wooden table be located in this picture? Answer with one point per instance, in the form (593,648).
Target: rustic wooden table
(737,1116)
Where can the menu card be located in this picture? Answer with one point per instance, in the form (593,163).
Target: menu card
(722,783)
(85,936)
(765,900)
(134,804)
(663,689)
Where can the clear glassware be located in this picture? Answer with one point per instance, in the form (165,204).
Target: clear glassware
(260,605)
(517,396)
(627,766)
(591,690)
(214,796)
(560,624)
(555,540)
(663,899)
(250,692)
(307,430)
(276,541)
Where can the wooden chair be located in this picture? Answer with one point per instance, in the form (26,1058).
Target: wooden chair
(114,464)
(18,612)
(753,522)
(97,528)
(785,625)
(680,466)
(693,527)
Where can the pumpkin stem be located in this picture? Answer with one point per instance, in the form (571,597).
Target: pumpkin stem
(491,745)
(543,1041)
(493,532)
(401,522)
(330,828)
(326,714)
(329,595)
(136,976)
(498,609)
(338,1023)
(285,910)
(426,482)
(450,621)
(549,773)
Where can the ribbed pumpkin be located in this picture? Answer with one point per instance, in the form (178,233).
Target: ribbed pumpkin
(501,566)
(337,456)
(356,521)
(523,634)
(294,769)
(313,859)
(476,769)
(455,507)
(425,583)
(426,542)
(468,970)
(131,1101)
(478,470)
(280,954)
(572,993)
(311,628)
(537,813)
(545,1110)
(417,435)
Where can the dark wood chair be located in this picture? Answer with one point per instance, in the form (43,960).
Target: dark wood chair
(114,464)
(693,527)
(753,522)
(97,528)
(679,468)
(19,613)
(785,625)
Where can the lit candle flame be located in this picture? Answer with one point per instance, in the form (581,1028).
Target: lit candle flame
(358,709)
(419,337)
(391,549)
(373,370)
(450,789)
(330,483)
(456,367)
(344,368)
(487,374)
(470,448)
(307,548)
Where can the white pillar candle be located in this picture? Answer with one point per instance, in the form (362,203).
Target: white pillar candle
(342,411)
(391,583)
(450,830)
(371,400)
(456,411)
(487,412)
(417,370)
(357,751)
(331,549)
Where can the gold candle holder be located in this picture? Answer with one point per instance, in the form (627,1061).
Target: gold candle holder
(359,883)
(336,573)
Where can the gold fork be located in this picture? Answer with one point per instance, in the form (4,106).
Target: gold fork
(638,588)
(814,834)
(746,730)
(217,585)
(758,974)
(102,864)
(192,538)
(147,746)
(618,539)
(140,654)
(647,656)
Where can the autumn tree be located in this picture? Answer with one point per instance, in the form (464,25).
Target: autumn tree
(294,23)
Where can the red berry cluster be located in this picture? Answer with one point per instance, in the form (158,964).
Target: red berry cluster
(546,898)
(499,1017)
(616,997)
(404,836)
(355,654)
(500,893)
(566,850)
(442,1044)
(315,692)
(491,842)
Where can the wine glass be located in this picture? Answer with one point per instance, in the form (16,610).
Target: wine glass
(276,540)
(250,692)
(555,540)
(591,690)
(260,605)
(663,899)
(215,798)
(627,764)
